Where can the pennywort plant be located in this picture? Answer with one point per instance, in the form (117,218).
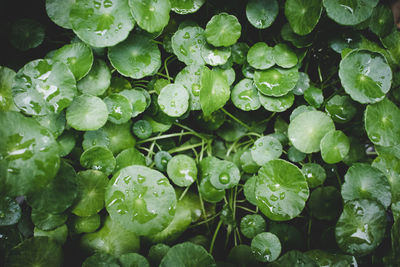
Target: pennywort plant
(201,133)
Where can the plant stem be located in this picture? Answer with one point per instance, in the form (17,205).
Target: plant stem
(215,236)
(236,119)
(183,148)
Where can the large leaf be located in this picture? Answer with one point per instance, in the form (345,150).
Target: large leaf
(28,155)
(151,15)
(101,23)
(214,92)
(349,12)
(303,15)
(281,190)
(189,255)
(365,76)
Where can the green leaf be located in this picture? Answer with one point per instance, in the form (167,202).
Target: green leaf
(43,86)
(266,148)
(87,113)
(361,227)
(325,203)
(28,155)
(365,76)
(276,81)
(314,96)
(283,56)
(60,192)
(26,34)
(133,259)
(128,157)
(98,158)
(182,170)
(112,238)
(281,190)
(307,129)
(58,11)
(6,81)
(77,56)
(86,224)
(223,30)
(214,92)
(10,211)
(245,95)
(315,174)
(294,258)
(261,56)
(349,12)
(187,44)
(277,104)
(173,100)
(153,197)
(382,123)
(58,235)
(341,108)
(136,57)
(120,136)
(91,188)
(47,221)
(101,260)
(119,108)
(137,99)
(324,258)
(365,182)
(266,247)
(101,23)
(215,56)
(335,146)
(151,15)
(186,6)
(261,14)
(187,254)
(190,78)
(381,22)
(36,251)
(97,81)
(252,225)
(303,15)
(299,41)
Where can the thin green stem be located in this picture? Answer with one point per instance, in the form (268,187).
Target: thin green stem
(236,119)
(165,76)
(157,42)
(215,237)
(246,209)
(184,193)
(183,148)
(165,136)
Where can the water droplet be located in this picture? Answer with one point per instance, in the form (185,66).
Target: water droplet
(282,196)
(97,4)
(224,178)
(196,89)
(186,35)
(107,3)
(127,179)
(141,179)
(183,50)
(273,198)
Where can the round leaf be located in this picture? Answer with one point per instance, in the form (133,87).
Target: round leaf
(182,170)
(335,146)
(261,14)
(341,108)
(252,225)
(36,251)
(315,174)
(245,95)
(10,211)
(281,190)
(266,247)
(223,30)
(276,81)
(119,108)
(325,203)
(382,123)
(283,56)
(365,182)
(46,221)
(187,254)
(141,199)
(365,76)
(190,78)
(6,80)
(174,100)
(186,6)
(260,56)
(87,113)
(187,44)
(58,12)
(98,158)
(136,57)
(26,34)
(266,148)
(215,56)
(61,192)
(303,15)
(91,188)
(101,23)
(97,81)
(77,56)
(361,227)
(277,104)
(28,155)
(43,86)
(349,12)
(307,129)
(151,15)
